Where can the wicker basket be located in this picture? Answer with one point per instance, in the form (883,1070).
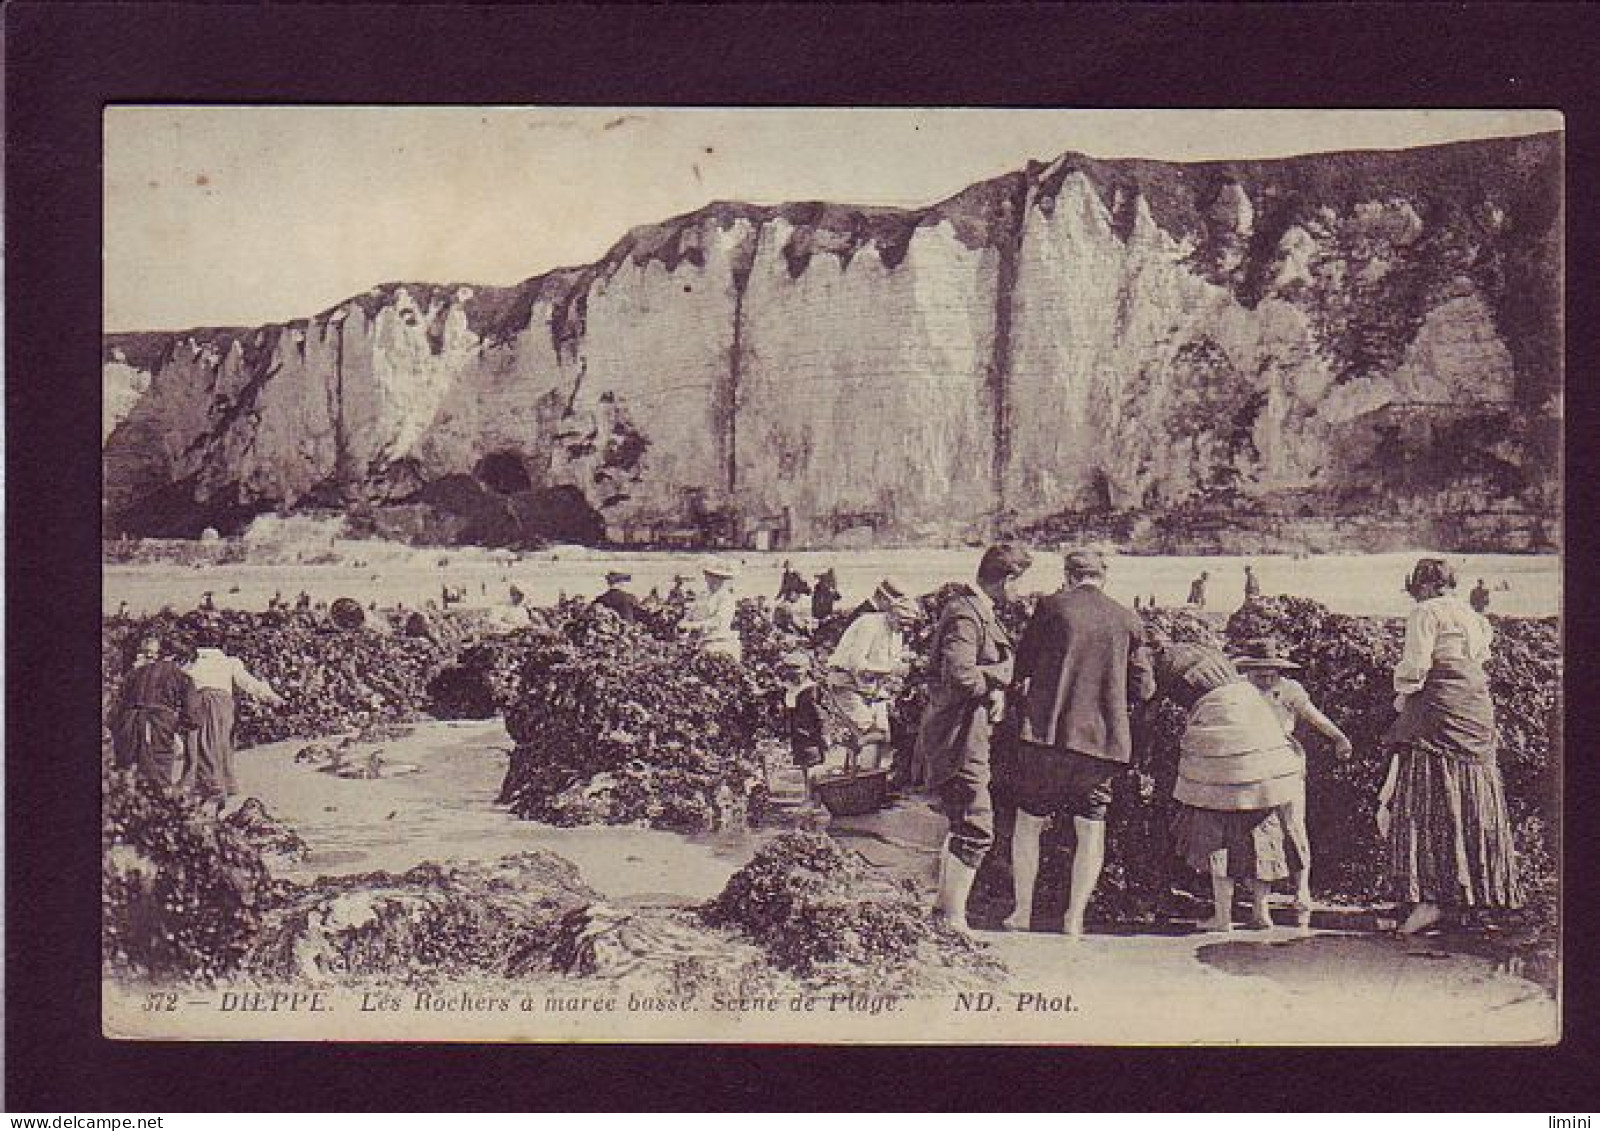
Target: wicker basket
(853,793)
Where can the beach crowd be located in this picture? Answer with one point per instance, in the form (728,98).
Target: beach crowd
(1065,695)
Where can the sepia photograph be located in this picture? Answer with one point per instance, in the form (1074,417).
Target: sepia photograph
(831,575)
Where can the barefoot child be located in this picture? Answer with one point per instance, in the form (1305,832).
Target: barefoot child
(1264,661)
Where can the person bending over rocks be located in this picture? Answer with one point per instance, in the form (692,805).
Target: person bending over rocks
(216,675)
(1238,781)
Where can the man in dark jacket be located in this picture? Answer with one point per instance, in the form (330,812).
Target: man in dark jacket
(972,659)
(1081,660)
(618,599)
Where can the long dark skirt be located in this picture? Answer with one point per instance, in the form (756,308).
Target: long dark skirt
(1450,836)
(146,738)
(1261,844)
(209,773)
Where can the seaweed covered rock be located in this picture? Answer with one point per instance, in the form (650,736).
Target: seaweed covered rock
(333,679)
(1524,670)
(182,895)
(274,839)
(1180,626)
(615,726)
(819,913)
(599,940)
(498,918)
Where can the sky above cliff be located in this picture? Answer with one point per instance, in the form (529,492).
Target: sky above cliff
(228,216)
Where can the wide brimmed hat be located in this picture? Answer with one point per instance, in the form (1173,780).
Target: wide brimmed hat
(891,597)
(618,576)
(719,567)
(1263,654)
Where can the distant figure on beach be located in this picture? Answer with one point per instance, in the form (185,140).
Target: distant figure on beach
(679,590)
(207,605)
(1479,597)
(122,610)
(1136,606)
(513,615)
(825,595)
(618,599)
(302,603)
(1197,590)
(1151,603)
(276,601)
(1252,583)
(792,585)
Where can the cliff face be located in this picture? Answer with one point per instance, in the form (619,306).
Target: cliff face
(1363,333)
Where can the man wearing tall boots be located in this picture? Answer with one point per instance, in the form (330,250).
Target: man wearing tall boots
(1082,659)
(972,660)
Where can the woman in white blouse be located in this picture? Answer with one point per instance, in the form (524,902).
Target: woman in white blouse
(216,675)
(711,615)
(1442,811)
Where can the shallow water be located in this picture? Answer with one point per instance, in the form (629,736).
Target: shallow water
(447,810)
(1388,972)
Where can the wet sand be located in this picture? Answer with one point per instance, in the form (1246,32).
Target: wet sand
(1282,986)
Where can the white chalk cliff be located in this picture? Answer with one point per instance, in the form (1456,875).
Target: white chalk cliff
(1079,337)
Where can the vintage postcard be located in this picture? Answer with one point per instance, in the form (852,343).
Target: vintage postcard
(832,576)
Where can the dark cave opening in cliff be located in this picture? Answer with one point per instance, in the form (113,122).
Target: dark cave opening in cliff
(504,473)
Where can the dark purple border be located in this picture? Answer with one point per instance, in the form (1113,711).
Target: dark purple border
(65,61)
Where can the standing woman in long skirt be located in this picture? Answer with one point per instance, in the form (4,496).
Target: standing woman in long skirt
(209,773)
(1442,811)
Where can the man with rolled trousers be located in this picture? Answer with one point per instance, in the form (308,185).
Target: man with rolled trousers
(972,661)
(1081,661)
